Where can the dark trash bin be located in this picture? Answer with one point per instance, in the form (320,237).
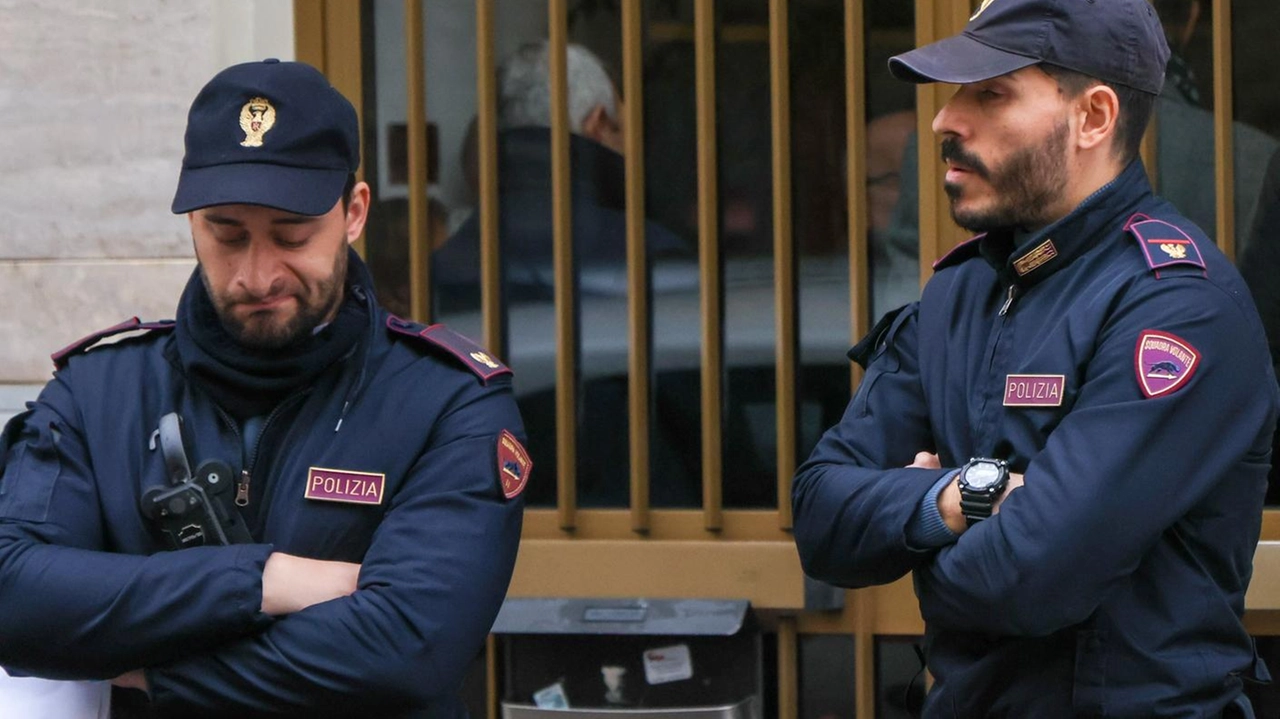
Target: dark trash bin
(632,658)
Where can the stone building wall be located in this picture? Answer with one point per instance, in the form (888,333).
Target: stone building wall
(93,102)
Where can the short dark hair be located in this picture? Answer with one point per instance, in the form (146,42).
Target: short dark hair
(347,189)
(1135,106)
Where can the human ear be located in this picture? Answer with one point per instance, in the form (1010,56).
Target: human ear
(596,123)
(1099,111)
(598,126)
(357,211)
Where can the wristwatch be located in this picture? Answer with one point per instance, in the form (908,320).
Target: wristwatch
(981,483)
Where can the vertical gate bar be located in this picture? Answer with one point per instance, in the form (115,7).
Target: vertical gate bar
(938,234)
(864,650)
(492,695)
(1148,151)
(639,360)
(416,119)
(562,257)
(1223,140)
(789,669)
(855,92)
(344,67)
(487,146)
(704,31)
(784,261)
(308,33)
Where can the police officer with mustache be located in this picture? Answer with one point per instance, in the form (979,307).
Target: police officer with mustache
(1066,440)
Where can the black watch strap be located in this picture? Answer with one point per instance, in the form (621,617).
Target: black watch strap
(977,503)
(977,509)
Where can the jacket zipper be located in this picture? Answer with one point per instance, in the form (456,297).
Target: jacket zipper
(246,474)
(993,350)
(242,489)
(1008,302)
(1010,296)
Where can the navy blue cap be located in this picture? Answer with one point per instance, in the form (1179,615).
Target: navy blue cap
(1118,41)
(268,133)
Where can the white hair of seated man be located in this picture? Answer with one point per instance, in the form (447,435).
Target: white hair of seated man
(524,88)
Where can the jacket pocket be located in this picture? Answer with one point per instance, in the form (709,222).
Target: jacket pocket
(30,471)
(876,353)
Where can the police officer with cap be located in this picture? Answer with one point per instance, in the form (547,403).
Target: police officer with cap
(353,548)
(1066,440)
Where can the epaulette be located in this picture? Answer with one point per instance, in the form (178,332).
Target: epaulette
(132,324)
(959,253)
(1164,244)
(438,336)
(865,350)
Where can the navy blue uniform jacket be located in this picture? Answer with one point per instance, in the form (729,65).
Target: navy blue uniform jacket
(87,592)
(1113,582)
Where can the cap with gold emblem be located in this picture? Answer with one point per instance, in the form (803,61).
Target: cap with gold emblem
(268,133)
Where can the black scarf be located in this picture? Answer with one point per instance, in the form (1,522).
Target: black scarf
(248,382)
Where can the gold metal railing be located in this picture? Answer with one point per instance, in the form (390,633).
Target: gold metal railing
(709,260)
(639,391)
(784,255)
(1223,135)
(487,142)
(565,297)
(416,118)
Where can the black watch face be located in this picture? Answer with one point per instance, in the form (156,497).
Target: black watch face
(982,475)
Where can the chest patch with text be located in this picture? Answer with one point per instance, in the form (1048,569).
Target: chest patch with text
(340,485)
(1034,390)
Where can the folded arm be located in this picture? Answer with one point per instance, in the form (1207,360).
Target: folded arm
(74,611)
(429,589)
(1118,473)
(855,496)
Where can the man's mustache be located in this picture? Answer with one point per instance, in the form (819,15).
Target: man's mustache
(250,298)
(954,153)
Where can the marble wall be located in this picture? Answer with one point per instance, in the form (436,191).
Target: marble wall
(93,102)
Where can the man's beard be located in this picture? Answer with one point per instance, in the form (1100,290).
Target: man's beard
(1024,187)
(316,304)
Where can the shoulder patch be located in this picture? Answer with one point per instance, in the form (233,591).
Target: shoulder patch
(472,355)
(1164,244)
(959,253)
(1164,363)
(514,465)
(132,324)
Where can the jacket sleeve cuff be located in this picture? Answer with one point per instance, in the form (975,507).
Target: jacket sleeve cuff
(253,561)
(927,530)
(249,563)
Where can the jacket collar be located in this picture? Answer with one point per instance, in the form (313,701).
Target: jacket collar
(250,383)
(1028,259)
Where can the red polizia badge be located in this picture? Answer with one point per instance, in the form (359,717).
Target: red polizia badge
(1164,362)
(514,465)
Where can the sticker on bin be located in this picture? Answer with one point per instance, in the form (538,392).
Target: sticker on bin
(552,697)
(668,664)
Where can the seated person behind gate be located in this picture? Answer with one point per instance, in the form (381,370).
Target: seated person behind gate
(524,184)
